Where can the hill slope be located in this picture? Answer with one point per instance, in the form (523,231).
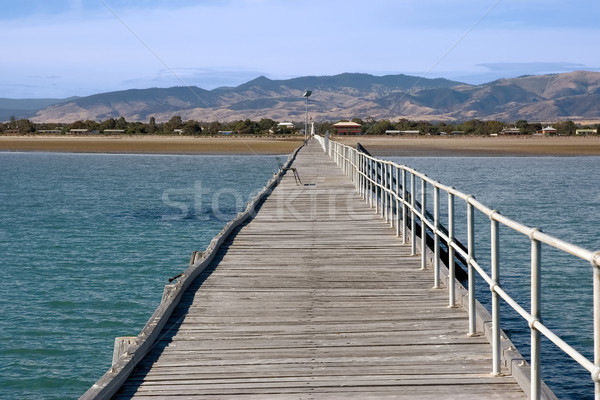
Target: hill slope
(574,95)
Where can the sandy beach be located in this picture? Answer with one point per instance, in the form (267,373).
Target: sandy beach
(423,146)
(469,146)
(151,144)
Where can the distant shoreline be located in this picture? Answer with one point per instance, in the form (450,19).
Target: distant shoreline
(138,144)
(476,146)
(384,146)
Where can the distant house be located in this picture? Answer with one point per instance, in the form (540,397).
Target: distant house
(586,131)
(178,131)
(510,131)
(113,131)
(347,128)
(78,131)
(408,132)
(548,131)
(51,131)
(285,127)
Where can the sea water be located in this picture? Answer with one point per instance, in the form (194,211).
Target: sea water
(87,243)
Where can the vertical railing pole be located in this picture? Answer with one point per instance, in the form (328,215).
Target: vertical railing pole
(404,206)
(390,195)
(423,224)
(359,168)
(384,193)
(495,243)
(370,183)
(381,189)
(377,182)
(596,279)
(363,176)
(471,269)
(451,263)
(436,237)
(413,223)
(397,195)
(536,302)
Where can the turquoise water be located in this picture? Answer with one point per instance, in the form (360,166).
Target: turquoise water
(561,196)
(87,243)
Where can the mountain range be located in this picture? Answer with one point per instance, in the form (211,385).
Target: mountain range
(543,98)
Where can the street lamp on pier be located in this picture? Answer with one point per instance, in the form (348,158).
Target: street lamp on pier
(307,95)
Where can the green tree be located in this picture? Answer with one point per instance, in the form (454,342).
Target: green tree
(121,123)
(192,127)
(266,124)
(494,126)
(566,128)
(152,125)
(379,127)
(246,127)
(172,124)
(475,127)
(323,127)
(110,123)
(213,128)
(25,126)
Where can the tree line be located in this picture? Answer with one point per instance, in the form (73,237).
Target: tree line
(370,126)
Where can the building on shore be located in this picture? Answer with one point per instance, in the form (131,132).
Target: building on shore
(584,132)
(79,131)
(510,131)
(347,128)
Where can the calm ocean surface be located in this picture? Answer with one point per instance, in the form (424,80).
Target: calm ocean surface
(87,243)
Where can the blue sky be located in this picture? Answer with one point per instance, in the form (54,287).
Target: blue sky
(60,48)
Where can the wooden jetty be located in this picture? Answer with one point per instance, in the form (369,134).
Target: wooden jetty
(314,298)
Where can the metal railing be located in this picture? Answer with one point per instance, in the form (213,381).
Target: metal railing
(391,189)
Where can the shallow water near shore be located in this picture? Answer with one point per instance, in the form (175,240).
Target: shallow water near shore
(88,241)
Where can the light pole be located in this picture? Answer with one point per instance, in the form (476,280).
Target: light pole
(307,95)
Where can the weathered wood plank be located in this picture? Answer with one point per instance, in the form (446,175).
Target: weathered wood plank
(316,297)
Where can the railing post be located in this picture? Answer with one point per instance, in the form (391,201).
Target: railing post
(381,189)
(363,173)
(536,302)
(397,195)
(423,224)
(436,237)
(370,182)
(377,183)
(596,279)
(389,195)
(495,243)
(404,224)
(413,223)
(384,193)
(451,264)
(471,270)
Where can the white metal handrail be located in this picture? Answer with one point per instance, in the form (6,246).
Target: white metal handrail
(383,184)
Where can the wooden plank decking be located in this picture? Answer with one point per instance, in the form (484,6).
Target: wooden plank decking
(317,298)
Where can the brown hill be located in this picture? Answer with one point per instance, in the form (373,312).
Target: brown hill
(574,96)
